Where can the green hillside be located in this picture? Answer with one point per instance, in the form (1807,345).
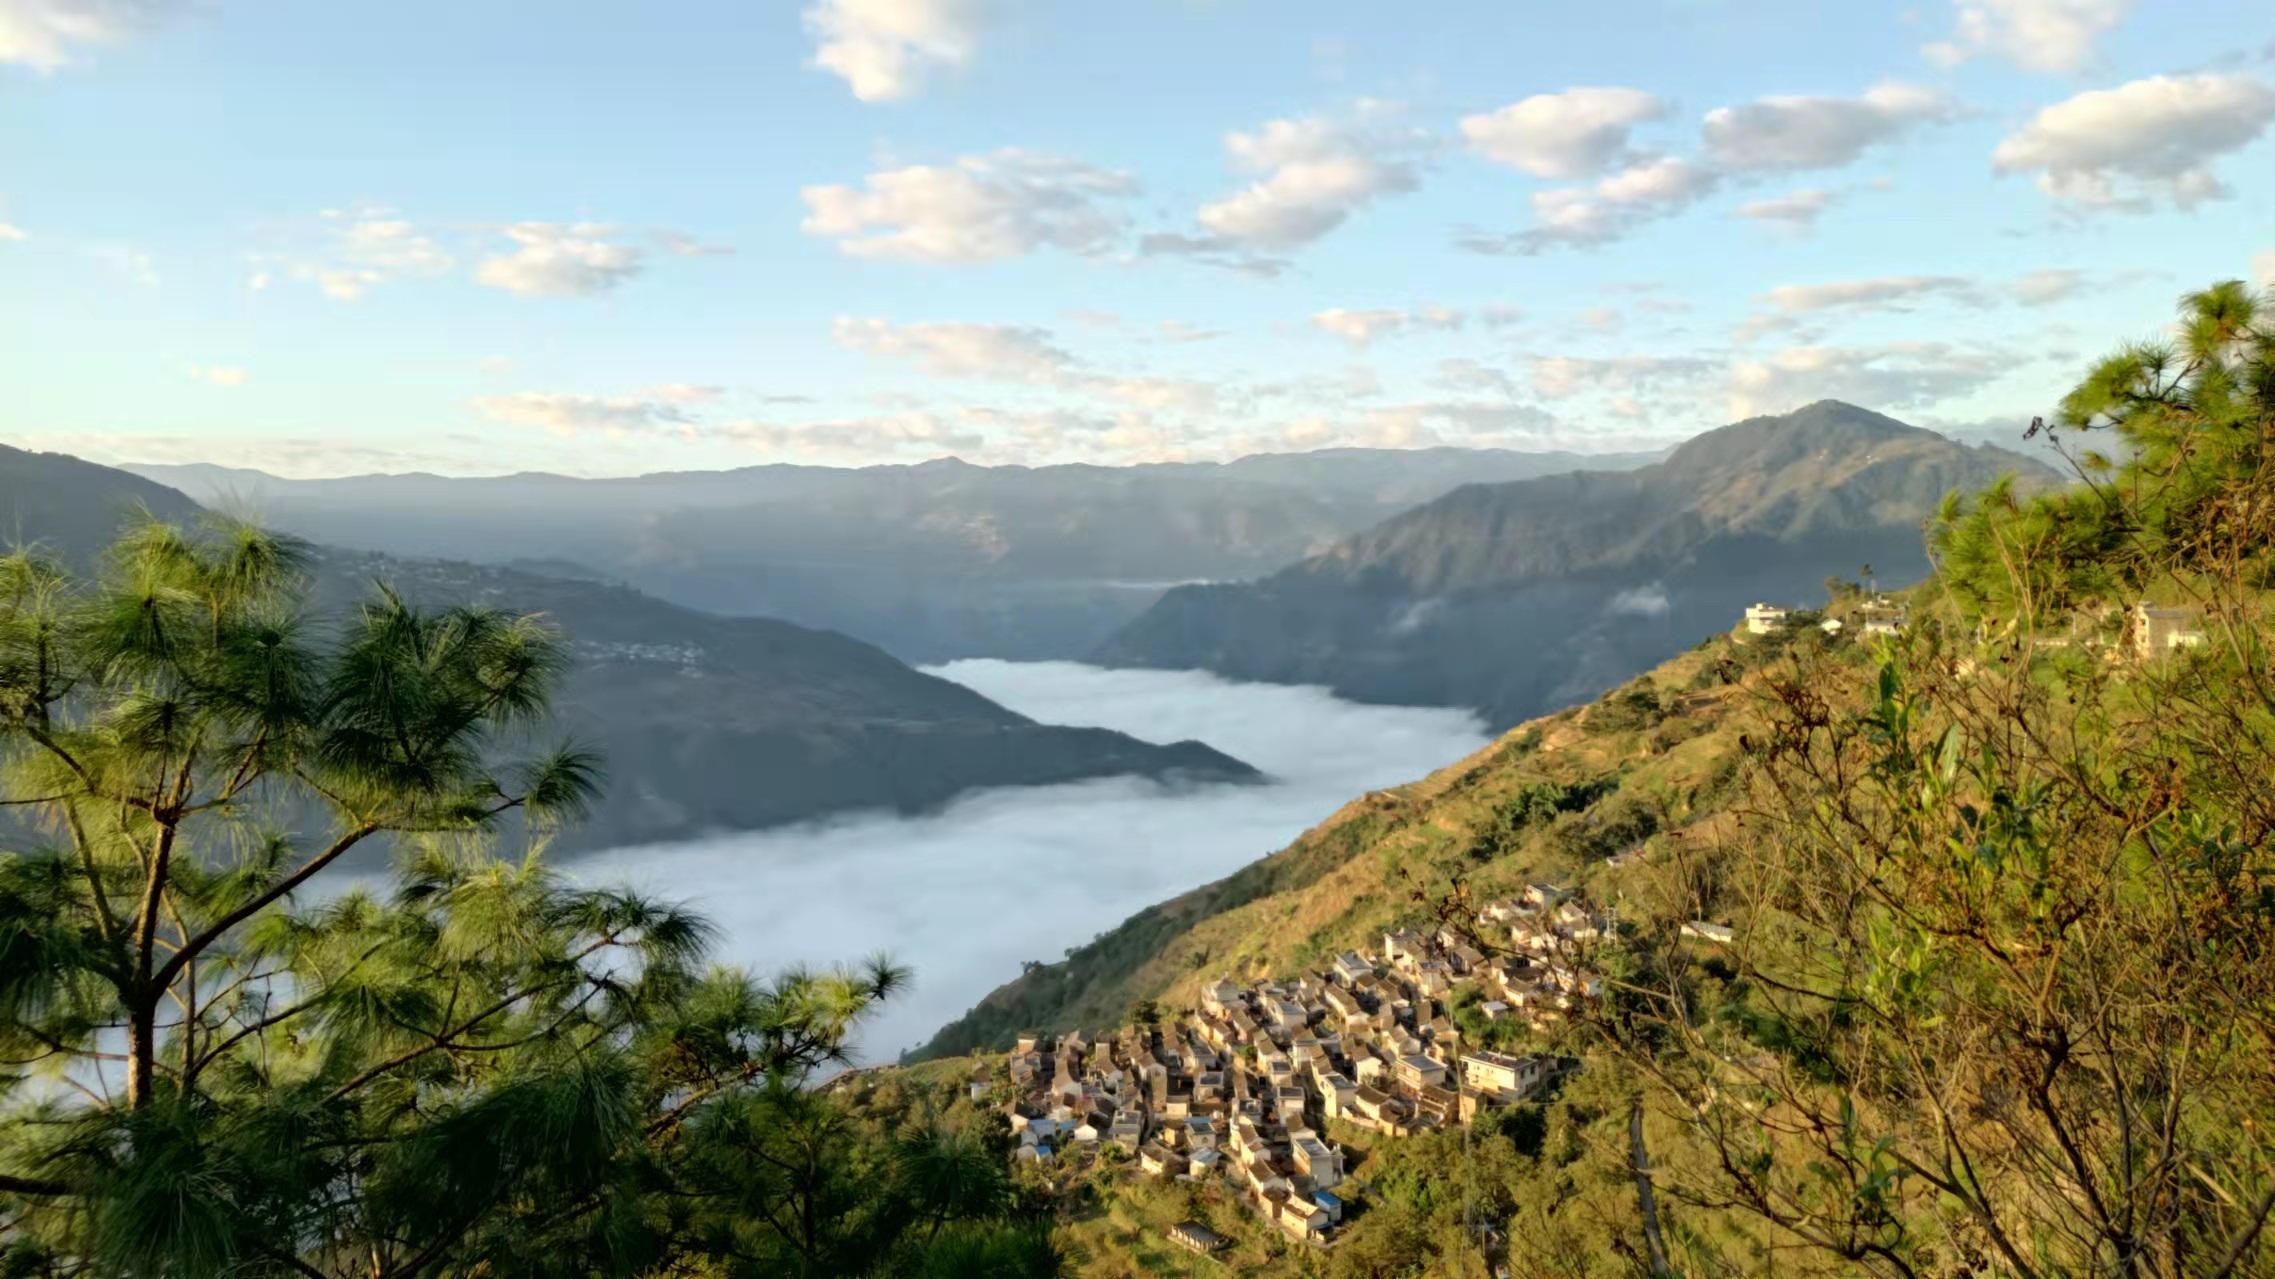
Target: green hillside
(1592,577)
(1995,996)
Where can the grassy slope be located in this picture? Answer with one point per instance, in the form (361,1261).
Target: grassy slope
(1345,881)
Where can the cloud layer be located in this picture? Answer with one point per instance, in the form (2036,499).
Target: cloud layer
(1013,875)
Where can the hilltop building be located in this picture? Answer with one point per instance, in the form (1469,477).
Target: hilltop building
(1765,619)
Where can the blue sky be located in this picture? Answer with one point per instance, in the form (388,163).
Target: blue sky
(607,238)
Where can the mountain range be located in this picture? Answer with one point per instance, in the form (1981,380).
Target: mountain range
(1515,598)
(707,723)
(1377,573)
(932,562)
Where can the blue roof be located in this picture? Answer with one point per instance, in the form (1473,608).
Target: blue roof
(1325,1200)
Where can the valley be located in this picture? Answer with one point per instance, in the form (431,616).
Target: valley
(1021,639)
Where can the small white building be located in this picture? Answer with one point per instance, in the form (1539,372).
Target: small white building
(1763,619)
(1705,930)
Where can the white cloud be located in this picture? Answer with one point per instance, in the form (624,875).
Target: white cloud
(1009,353)
(1583,216)
(1361,328)
(564,414)
(1890,376)
(1793,134)
(685,393)
(1640,601)
(218,375)
(1601,319)
(999,351)
(40,33)
(2041,288)
(1179,331)
(1559,376)
(2123,147)
(12,234)
(1885,293)
(984,207)
(1578,133)
(889,49)
(1470,375)
(2263,266)
(361,250)
(1312,175)
(561,260)
(1423,424)
(859,439)
(1156,394)
(2035,35)
(679,244)
(1795,211)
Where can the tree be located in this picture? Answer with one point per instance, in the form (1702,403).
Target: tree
(2001,999)
(211,1063)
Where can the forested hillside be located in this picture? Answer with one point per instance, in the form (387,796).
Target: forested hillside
(1592,578)
(1998,886)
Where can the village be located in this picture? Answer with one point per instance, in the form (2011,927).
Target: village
(1240,1090)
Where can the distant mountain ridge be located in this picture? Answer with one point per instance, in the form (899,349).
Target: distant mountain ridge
(707,723)
(1514,598)
(932,561)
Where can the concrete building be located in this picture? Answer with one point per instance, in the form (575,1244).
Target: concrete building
(2153,630)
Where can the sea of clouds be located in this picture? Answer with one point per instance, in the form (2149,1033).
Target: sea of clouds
(1003,876)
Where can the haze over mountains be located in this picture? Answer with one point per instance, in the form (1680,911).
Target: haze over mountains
(707,723)
(933,562)
(1377,573)
(1519,597)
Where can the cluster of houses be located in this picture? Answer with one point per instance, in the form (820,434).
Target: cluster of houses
(2148,631)
(1875,617)
(1242,1088)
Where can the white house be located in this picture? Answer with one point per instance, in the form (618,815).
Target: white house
(1763,619)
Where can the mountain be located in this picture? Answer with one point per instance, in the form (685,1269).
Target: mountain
(707,723)
(1516,597)
(73,508)
(733,723)
(932,561)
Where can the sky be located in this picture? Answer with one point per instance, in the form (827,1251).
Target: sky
(1005,876)
(474,237)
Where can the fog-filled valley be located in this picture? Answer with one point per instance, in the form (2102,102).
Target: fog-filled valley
(1002,877)
(1037,639)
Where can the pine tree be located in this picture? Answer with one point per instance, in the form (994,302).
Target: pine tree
(273,1002)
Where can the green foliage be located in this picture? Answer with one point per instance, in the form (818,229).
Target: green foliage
(2000,1000)
(465,1066)
(1636,705)
(2189,421)
(1535,805)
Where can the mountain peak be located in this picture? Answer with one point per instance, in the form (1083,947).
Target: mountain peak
(1775,440)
